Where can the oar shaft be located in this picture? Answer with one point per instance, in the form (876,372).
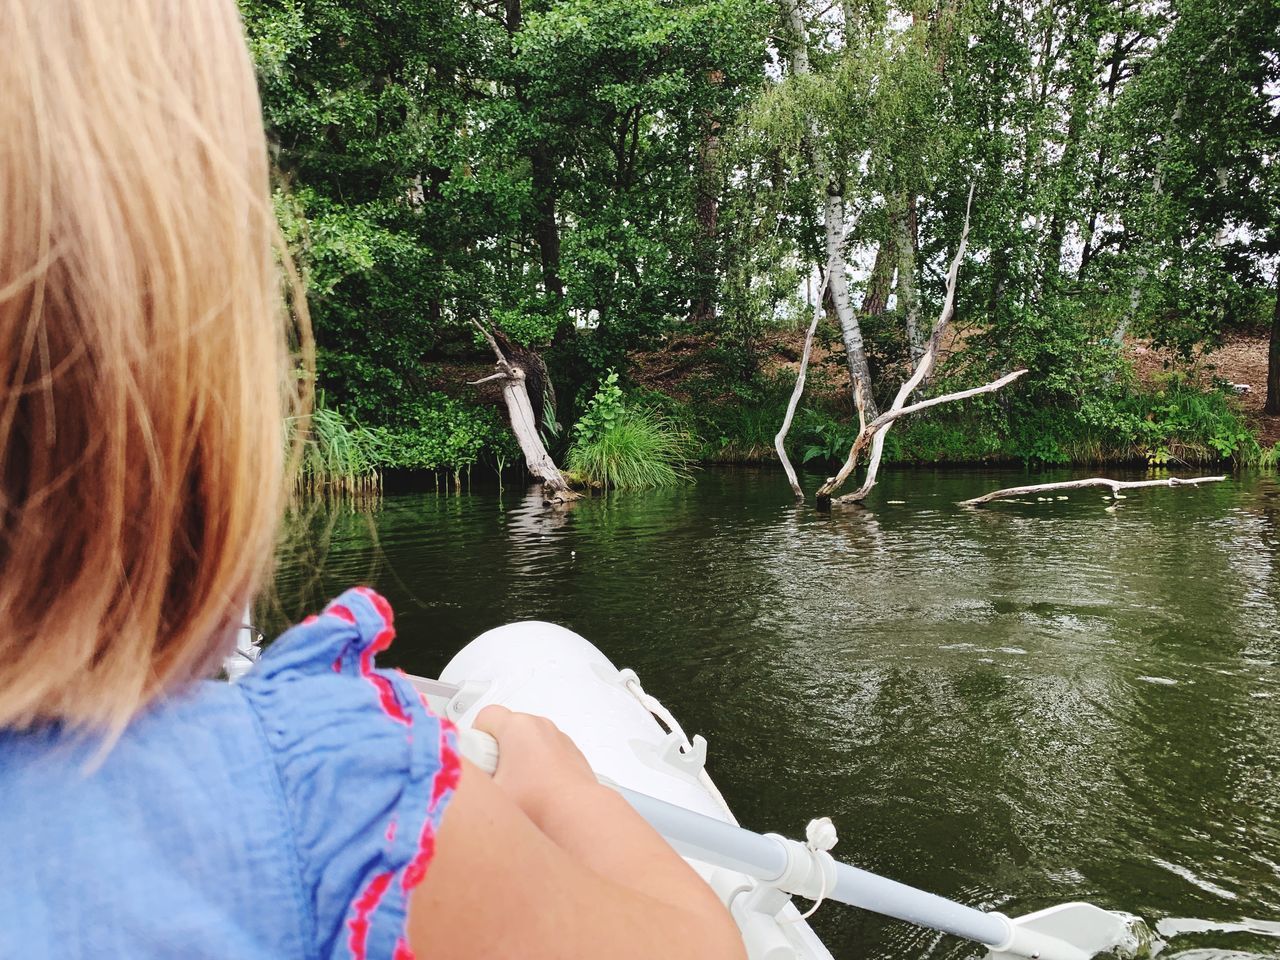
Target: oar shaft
(721,844)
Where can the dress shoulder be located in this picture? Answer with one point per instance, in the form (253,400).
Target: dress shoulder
(365,767)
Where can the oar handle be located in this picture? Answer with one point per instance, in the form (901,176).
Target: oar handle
(479,747)
(768,858)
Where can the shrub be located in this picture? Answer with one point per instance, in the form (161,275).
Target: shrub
(442,433)
(439,434)
(628,448)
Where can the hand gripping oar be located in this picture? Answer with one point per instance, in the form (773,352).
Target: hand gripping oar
(1070,931)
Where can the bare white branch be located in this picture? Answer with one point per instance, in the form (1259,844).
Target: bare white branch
(1115,485)
(500,375)
(779,442)
(876,430)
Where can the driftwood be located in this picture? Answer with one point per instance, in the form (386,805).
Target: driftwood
(524,422)
(779,442)
(1115,485)
(874,432)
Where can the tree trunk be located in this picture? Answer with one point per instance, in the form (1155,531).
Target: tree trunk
(546,231)
(706,259)
(522,373)
(833,222)
(1100,168)
(880,283)
(780,441)
(1273,358)
(524,424)
(838,282)
(879,426)
(908,296)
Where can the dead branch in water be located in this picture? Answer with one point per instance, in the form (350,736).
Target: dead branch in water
(1115,485)
(779,442)
(869,431)
(874,432)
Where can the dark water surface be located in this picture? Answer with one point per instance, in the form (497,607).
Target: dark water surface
(1014,707)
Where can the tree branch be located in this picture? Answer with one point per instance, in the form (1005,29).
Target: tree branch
(492,342)
(868,432)
(876,430)
(779,442)
(1115,485)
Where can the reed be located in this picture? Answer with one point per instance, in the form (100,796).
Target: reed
(339,456)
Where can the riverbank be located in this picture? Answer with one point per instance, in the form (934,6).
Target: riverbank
(1159,409)
(1153,409)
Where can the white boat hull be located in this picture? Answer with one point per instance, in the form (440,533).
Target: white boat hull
(544,669)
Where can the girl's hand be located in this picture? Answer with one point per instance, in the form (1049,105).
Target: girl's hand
(537,764)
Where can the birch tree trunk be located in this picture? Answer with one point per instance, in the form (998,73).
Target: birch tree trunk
(838,282)
(833,222)
(877,429)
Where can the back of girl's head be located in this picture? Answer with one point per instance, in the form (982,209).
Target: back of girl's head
(142,352)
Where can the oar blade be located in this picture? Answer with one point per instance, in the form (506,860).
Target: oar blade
(1069,931)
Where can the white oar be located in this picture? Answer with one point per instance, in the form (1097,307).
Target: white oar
(1071,931)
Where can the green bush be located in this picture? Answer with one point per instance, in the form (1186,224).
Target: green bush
(628,448)
(1179,423)
(442,433)
(738,425)
(1174,423)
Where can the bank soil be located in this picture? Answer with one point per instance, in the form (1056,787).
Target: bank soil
(1241,361)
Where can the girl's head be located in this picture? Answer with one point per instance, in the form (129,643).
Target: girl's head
(142,352)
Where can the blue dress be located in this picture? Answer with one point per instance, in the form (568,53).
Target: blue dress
(287,816)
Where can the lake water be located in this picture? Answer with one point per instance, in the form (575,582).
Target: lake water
(1014,707)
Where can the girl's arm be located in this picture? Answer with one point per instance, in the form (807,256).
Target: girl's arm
(541,861)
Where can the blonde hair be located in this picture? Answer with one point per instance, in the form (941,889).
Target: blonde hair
(142,352)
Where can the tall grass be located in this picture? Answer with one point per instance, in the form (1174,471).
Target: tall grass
(641,449)
(339,456)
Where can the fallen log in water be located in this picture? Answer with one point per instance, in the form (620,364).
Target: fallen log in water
(1115,485)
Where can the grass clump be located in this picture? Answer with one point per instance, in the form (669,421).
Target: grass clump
(628,447)
(338,455)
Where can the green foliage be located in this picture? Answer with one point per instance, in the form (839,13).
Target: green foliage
(1180,424)
(598,176)
(641,450)
(628,447)
(1265,458)
(442,433)
(601,413)
(438,434)
(338,454)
